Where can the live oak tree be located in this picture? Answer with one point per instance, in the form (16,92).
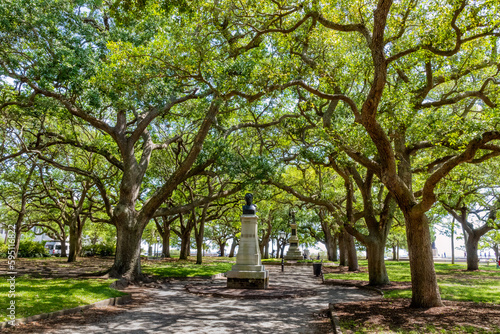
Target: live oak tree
(143,84)
(69,197)
(377,213)
(311,184)
(419,80)
(492,240)
(407,89)
(228,227)
(471,198)
(396,239)
(18,187)
(326,233)
(164,227)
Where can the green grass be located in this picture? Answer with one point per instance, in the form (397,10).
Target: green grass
(208,259)
(185,269)
(272,260)
(35,296)
(454,282)
(314,261)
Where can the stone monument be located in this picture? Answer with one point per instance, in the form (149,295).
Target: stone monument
(248,272)
(294,252)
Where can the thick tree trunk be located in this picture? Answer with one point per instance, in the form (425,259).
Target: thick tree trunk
(233,248)
(19,225)
(199,242)
(495,250)
(453,242)
(75,242)
(342,250)
(394,258)
(398,251)
(128,252)
(331,247)
(185,246)
(221,248)
(281,249)
(63,246)
(166,241)
(425,291)
(352,258)
(335,247)
(18,238)
(264,246)
(199,250)
(377,272)
(471,247)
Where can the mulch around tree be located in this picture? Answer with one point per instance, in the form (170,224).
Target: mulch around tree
(87,267)
(395,314)
(361,284)
(383,315)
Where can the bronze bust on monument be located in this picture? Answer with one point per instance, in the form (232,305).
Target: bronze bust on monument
(249,208)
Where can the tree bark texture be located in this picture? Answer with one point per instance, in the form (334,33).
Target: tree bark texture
(221,248)
(342,250)
(352,257)
(425,291)
(63,247)
(128,252)
(331,248)
(75,240)
(471,247)
(266,250)
(199,247)
(185,246)
(377,271)
(166,241)
(233,248)
(18,237)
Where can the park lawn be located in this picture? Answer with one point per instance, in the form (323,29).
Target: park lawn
(271,260)
(455,283)
(314,261)
(37,295)
(185,269)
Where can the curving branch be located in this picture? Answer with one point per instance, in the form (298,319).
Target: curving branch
(308,199)
(359,27)
(257,125)
(196,203)
(92,176)
(89,148)
(428,196)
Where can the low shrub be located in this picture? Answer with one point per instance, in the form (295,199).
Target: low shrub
(27,248)
(99,249)
(3,250)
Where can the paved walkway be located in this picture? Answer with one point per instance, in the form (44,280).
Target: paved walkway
(174,310)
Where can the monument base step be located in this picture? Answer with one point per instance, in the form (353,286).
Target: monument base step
(294,254)
(247,283)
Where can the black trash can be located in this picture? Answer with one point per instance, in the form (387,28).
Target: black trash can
(317,269)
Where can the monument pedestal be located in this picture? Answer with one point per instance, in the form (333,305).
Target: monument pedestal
(248,272)
(294,252)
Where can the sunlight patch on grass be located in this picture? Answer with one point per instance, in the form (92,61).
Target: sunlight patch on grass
(187,269)
(455,283)
(36,296)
